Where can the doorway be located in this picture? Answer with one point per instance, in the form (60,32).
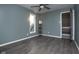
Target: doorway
(67,25)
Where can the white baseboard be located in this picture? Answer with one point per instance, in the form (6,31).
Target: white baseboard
(50,35)
(17,40)
(76,45)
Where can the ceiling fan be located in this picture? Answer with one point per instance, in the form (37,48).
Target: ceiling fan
(41,6)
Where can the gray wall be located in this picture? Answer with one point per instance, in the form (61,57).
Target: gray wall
(51,22)
(14,23)
(77,23)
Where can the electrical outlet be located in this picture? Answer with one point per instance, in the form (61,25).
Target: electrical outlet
(27,34)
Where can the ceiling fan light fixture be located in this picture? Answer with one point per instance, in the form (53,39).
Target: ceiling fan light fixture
(42,7)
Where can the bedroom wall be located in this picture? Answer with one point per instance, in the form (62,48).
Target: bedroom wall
(51,22)
(77,24)
(14,23)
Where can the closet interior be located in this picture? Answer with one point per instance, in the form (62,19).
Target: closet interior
(66,25)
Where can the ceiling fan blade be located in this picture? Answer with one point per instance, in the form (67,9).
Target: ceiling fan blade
(47,7)
(46,4)
(43,4)
(34,6)
(39,9)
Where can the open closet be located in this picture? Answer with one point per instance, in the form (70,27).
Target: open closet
(66,25)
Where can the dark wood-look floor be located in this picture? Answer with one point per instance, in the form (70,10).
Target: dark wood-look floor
(44,45)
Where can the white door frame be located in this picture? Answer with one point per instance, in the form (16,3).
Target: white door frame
(73,24)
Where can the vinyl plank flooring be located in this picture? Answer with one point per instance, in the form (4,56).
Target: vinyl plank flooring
(44,45)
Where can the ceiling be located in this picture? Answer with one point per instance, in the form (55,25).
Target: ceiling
(51,6)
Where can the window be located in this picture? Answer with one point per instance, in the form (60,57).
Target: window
(32,20)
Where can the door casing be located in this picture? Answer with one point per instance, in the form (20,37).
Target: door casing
(73,23)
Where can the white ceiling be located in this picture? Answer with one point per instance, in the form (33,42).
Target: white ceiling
(52,6)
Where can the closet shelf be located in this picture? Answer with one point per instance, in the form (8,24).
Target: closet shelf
(66,27)
(65,34)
